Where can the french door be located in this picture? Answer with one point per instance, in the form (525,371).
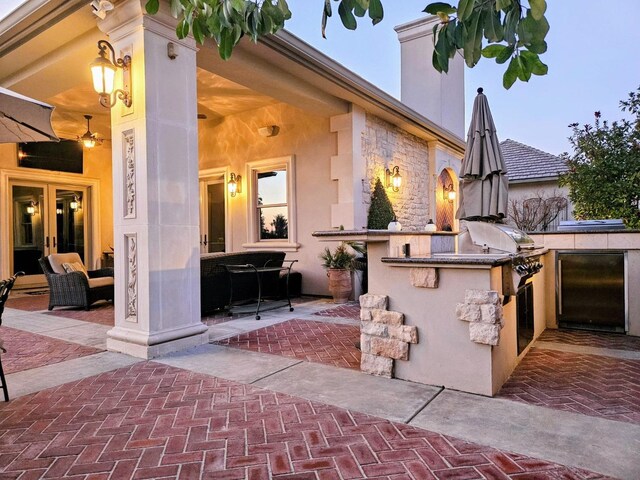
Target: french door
(46,218)
(213,214)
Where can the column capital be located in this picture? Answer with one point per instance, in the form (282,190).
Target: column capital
(130,15)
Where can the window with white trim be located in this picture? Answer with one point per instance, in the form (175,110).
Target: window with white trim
(271,209)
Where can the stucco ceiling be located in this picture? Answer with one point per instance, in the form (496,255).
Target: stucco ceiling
(217,98)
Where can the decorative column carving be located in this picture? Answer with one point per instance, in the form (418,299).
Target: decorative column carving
(129,157)
(132,277)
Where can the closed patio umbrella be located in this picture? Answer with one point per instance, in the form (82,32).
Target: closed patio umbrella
(483,181)
(23,119)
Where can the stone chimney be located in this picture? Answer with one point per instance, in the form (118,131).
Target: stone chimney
(439,97)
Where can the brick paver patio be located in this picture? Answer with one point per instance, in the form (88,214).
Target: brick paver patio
(588,384)
(591,339)
(154,421)
(29,303)
(348,310)
(319,342)
(27,350)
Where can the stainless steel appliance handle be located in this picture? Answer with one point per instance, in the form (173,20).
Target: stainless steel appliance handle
(560,287)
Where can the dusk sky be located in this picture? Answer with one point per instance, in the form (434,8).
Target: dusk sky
(592,58)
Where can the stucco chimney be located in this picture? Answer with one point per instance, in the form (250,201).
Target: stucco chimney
(439,97)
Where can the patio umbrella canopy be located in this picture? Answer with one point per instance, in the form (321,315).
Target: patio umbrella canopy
(23,119)
(483,181)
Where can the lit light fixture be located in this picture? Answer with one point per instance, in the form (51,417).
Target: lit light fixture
(75,203)
(234,184)
(393,178)
(31,208)
(59,211)
(103,71)
(448,193)
(89,139)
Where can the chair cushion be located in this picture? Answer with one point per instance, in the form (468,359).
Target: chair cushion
(100,282)
(57,259)
(74,267)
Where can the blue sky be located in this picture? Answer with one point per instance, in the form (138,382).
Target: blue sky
(593,63)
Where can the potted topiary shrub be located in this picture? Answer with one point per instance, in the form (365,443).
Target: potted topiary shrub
(380,211)
(339,264)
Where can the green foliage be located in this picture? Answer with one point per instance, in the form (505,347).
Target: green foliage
(512,32)
(341,258)
(381,210)
(604,170)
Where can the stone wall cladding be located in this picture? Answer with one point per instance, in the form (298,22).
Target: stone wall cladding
(483,310)
(385,145)
(383,337)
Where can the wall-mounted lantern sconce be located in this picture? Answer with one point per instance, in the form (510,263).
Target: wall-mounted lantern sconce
(31,208)
(234,184)
(448,193)
(103,71)
(75,203)
(393,178)
(89,139)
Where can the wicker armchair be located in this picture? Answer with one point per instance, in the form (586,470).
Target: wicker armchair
(5,288)
(75,289)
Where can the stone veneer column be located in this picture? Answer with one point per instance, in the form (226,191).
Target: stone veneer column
(155,189)
(348,168)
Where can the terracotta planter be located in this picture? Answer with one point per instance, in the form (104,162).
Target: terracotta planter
(339,284)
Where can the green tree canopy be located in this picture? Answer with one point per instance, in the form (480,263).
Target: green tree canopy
(514,31)
(604,170)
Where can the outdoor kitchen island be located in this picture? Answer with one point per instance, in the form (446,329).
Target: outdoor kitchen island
(466,307)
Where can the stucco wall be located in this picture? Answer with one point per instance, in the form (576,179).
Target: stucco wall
(385,146)
(234,141)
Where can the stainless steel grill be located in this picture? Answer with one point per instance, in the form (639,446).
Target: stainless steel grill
(482,238)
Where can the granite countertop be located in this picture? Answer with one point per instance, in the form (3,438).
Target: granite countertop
(443,259)
(375,233)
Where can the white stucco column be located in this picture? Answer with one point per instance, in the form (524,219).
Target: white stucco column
(348,168)
(155,189)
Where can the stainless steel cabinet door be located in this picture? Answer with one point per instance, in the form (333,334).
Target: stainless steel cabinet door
(591,290)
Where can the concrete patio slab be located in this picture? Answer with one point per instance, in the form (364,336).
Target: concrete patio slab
(34,380)
(605,446)
(229,363)
(394,400)
(37,322)
(89,334)
(582,349)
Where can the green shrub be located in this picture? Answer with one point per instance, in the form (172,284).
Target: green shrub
(381,211)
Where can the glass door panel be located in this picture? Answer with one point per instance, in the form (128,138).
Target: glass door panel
(69,222)
(29,226)
(215,217)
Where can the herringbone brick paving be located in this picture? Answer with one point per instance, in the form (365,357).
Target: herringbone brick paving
(591,339)
(318,342)
(155,421)
(30,303)
(101,313)
(26,350)
(589,384)
(348,310)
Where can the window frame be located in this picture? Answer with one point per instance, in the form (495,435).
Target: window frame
(254,241)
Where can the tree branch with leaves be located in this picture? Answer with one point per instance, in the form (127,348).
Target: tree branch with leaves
(514,30)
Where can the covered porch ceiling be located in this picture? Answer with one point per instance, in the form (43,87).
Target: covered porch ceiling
(45,54)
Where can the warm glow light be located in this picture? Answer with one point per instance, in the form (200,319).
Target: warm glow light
(104,74)
(393,178)
(59,211)
(448,193)
(451,195)
(31,209)
(75,203)
(234,185)
(89,142)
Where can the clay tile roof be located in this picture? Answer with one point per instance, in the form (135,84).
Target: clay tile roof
(524,162)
